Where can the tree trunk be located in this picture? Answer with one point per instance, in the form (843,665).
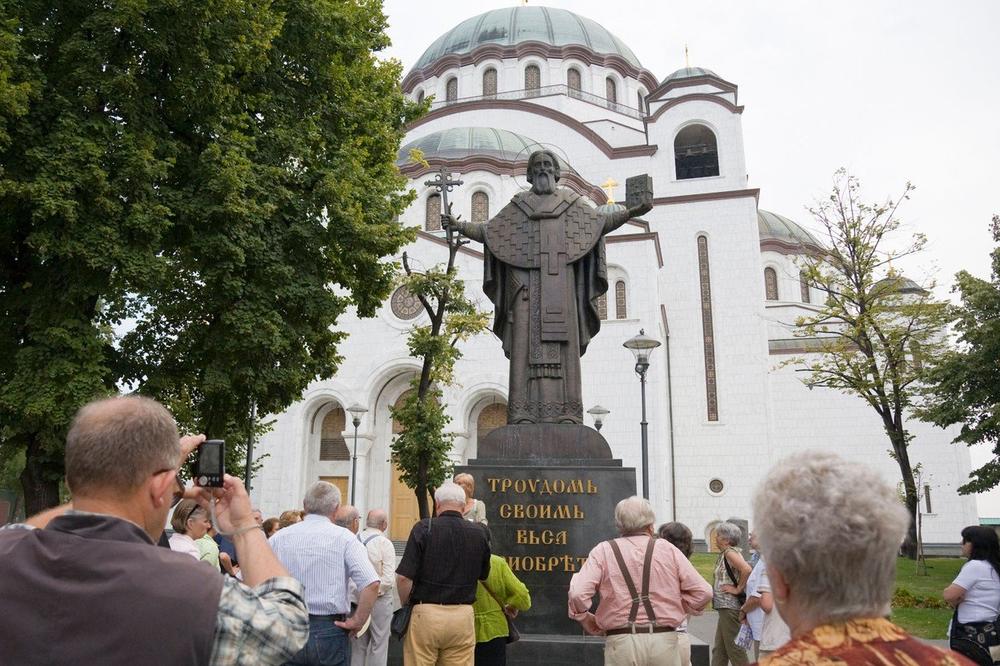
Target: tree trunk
(898,439)
(39,479)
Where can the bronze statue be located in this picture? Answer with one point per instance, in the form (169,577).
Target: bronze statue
(544,270)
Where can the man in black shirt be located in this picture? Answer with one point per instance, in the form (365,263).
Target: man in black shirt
(444,558)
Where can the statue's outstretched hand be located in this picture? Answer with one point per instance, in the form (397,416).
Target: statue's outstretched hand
(450,221)
(640,209)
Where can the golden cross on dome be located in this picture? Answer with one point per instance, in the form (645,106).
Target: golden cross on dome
(609,189)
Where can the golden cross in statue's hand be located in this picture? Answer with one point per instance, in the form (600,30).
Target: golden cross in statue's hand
(609,189)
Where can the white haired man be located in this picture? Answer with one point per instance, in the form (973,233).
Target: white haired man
(324,556)
(444,558)
(372,648)
(87,586)
(647,588)
(833,582)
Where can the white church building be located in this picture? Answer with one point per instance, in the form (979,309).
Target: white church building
(706,272)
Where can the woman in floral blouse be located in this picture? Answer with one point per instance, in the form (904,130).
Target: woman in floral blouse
(829,530)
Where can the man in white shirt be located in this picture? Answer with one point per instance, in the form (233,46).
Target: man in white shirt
(372,648)
(319,553)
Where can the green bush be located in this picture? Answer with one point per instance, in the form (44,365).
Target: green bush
(903,598)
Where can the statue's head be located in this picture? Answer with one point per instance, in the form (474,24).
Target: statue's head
(543,171)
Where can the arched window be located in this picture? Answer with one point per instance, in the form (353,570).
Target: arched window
(480,207)
(770,284)
(420,96)
(620,309)
(804,287)
(611,90)
(331,439)
(532,80)
(602,306)
(641,101)
(451,90)
(490,82)
(492,417)
(432,215)
(574,82)
(696,153)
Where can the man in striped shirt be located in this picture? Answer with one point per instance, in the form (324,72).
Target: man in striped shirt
(323,556)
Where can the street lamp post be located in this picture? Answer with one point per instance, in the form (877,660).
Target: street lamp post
(599,413)
(356,411)
(642,346)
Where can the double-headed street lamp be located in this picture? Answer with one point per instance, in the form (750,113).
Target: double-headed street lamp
(642,346)
(356,411)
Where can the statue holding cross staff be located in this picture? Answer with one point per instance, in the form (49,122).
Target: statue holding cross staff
(544,271)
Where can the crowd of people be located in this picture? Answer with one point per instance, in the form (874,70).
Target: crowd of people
(83,583)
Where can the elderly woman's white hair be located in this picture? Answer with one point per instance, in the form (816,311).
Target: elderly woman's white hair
(730,532)
(450,492)
(634,514)
(831,529)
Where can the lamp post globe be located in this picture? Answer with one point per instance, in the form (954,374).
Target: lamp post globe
(356,411)
(599,413)
(641,347)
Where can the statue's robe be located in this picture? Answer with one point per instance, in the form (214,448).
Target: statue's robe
(544,270)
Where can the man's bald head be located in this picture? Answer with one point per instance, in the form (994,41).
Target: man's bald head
(113,445)
(377,519)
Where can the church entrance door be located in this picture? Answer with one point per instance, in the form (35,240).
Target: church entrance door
(403,512)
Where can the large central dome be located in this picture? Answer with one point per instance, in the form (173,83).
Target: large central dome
(513,25)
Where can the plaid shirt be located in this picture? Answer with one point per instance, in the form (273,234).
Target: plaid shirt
(267,624)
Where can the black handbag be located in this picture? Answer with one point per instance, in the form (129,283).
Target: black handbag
(513,635)
(978,641)
(400,621)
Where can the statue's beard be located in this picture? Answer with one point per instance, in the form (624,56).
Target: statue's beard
(543,183)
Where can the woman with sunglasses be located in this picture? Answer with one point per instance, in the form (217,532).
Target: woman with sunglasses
(975,594)
(190,522)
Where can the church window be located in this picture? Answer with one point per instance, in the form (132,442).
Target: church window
(716,486)
(620,310)
(611,89)
(420,96)
(602,306)
(927,499)
(490,82)
(696,153)
(432,215)
(573,82)
(532,80)
(804,287)
(708,331)
(480,207)
(770,284)
(642,101)
(404,304)
(451,90)
(492,417)
(331,443)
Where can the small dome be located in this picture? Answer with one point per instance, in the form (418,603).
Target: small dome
(901,284)
(778,227)
(690,73)
(512,25)
(458,142)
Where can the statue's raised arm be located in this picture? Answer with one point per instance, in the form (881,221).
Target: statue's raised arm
(471,230)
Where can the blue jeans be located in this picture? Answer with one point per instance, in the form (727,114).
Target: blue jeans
(327,645)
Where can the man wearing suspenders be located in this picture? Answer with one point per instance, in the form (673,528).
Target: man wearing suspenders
(372,647)
(647,588)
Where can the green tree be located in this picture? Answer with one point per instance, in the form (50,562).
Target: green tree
(963,384)
(219,174)
(873,326)
(420,452)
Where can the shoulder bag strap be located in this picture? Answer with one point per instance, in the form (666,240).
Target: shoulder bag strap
(634,612)
(729,569)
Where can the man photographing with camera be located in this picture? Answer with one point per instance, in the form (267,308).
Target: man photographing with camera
(87,585)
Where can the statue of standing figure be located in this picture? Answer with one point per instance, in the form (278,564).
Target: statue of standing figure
(544,271)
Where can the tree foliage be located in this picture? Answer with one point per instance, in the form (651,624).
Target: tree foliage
(963,384)
(873,327)
(219,174)
(420,452)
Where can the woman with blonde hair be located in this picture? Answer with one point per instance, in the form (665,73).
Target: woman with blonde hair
(475,510)
(190,522)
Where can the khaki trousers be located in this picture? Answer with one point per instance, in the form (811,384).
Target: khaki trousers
(440,636)
(684,647)
(644,649)
(725,649)
(372,649)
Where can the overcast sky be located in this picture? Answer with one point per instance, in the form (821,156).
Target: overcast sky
(894,91)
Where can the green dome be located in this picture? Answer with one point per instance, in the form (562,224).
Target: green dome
(690,73)
(778,227)
(458,142)
(512,25)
